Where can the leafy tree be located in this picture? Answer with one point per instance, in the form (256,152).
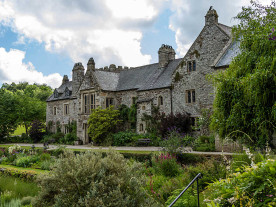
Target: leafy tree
(102,122)
(93,179)
(29,101)
(245,101)
(128,115)
(8,119)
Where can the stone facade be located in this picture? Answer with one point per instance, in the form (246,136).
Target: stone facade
(175,85)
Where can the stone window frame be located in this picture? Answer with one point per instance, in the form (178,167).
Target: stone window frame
(160,100)
(66,129)
(143,107)
(109,102)
(141,127)
(66,110)
(190,96)
(54,110)
(191,66)
(194,122)
(88,102)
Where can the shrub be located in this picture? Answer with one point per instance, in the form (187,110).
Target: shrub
(123,138)
(68,139)
(102,122)
(26,200)
(93,179)
(37,130)
(175,141)
(45,156)
(253,187)
(188,199)
(46,165)
(26,161)
(165,164)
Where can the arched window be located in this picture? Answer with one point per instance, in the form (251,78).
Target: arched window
(160,101)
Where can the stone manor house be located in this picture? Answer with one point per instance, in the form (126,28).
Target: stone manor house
(175,85)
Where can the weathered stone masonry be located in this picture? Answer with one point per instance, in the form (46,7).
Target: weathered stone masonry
(175,85)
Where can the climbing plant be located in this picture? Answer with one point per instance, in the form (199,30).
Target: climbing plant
(244,107)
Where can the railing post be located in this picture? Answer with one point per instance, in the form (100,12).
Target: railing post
(197,192)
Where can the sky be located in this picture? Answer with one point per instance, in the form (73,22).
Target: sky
(40,40)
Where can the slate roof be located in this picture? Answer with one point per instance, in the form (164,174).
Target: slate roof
(140,78)
(226,29)
(232,51)
(61,91)
(107,80)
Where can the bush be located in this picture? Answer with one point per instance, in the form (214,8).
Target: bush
(93,179)
(37,131)
(253,187)
(46,165)
(188,199)
(68,139)
(175,141)
(26,200)
(165,164)
(26,161)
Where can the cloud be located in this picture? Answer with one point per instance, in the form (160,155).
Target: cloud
(13,69)
(188,18)
(108,30)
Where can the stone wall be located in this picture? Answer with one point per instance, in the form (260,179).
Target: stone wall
(60,116)
(203,52)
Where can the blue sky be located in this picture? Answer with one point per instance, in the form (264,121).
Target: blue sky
(41,40)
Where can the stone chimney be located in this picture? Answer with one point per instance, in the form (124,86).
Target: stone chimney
(77,77)
(166,53)
(65,79)
(91,64)
(211,17)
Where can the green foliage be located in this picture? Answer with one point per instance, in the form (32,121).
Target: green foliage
(102,122)
(165,164)
(244,106)
(37,130)
(7,116)
(188,199)
(93,179)
(175,141)
(123,138)
(253,187)
(205,144)
(128,116)
(26,161)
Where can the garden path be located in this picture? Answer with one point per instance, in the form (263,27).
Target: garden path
(149,148)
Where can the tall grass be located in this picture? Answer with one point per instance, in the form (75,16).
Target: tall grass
(17,187)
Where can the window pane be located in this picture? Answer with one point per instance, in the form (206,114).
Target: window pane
(194,66)
(189,66)
(189,96)
(193,95)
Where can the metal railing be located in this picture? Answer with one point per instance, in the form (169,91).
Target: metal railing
(195,179)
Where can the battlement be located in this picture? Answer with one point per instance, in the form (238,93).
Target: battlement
(113,68)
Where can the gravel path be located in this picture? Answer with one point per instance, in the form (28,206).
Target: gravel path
(150,149)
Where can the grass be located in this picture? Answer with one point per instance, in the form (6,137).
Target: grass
(36,171)
(18,187)
(20,130)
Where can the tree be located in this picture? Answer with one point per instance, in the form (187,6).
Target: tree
(245,102)
(102,122)
(8,119)
(29,102)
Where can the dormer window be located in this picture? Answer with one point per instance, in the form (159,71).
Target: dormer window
(67,92)
(55,93)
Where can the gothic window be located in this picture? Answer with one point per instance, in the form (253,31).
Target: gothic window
(160,101)
(92,101)
(194,65)
(55,110)
(190,96)
(66,109)
(191,66)
(109,102)
(86,103)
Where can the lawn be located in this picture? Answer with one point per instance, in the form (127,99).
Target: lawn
(20,130)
